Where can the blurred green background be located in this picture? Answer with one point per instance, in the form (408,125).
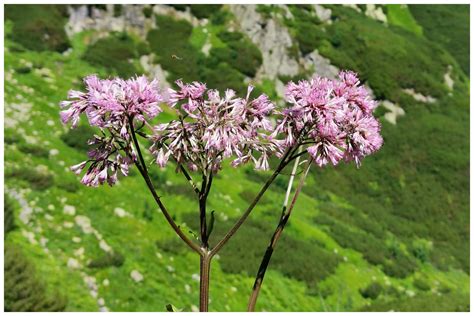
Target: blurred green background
(392,235)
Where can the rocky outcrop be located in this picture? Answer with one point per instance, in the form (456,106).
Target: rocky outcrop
(419,97)
(272,38)
(131,19)
(395,111)
(319,65)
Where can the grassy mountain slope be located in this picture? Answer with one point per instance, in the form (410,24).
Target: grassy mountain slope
(393,234)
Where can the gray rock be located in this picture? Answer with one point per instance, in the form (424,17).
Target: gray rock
(272,38)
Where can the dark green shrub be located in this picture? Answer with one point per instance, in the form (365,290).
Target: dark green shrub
(400,267)
(23,70)
(204,11)
(114,259)
(38,179)
(220,17)
(11,137)
(78,137)
(304,260)
(170,42)
(179,7)
(24,291)
(118,10)
(34,150)
(113,53)
(222,77)
(249,196)
(9,215)
(372,291)
(148,212)
(69,183)
(423,303)
(306,30)
(148,11)
(240,53)
(421,284)
(38,27)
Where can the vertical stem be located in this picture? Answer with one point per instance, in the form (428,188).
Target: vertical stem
(205,269)
(273,241)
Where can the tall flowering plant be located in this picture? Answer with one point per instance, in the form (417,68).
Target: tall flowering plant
(327,120)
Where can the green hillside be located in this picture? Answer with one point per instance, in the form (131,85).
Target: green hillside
(391,235)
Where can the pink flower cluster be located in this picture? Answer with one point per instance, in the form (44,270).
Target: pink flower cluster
(111,105)
(333,117)
(214,127)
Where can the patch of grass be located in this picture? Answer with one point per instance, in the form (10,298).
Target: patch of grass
(399,15)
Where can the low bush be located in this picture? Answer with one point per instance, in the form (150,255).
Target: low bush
(421,284)
(113,53)
(372,291)
(38,178)
(77,138)
(35,150)
(293,257)
(114,259)
(38,27)
(170,42)
(204,11)
(9,215)
(423,303)
(24,291)
(240,53)
(400,267)
(148,11)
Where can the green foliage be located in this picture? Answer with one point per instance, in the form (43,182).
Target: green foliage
(371,248)
(24,291)
(38,27)
(114,53)
(38,178)
(447,25)
(423,303)
(78,137)
(421,249)
(379,55)
(204,11)
(8,215)
(400,267)
(118,10)
(399,15)
(33,149)
(170,42)
(421,284)
(222,77)
(372,291)
(294,258)
(114,259)
(240,53)
(305,28)
(148,212)
(148,11)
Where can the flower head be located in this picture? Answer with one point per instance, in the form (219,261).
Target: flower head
(112,105)
(334,117)
(213,127)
